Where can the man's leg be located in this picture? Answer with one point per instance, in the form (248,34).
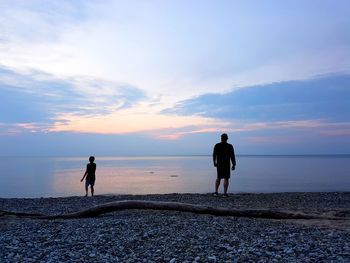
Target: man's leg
(92,190)
(86,189)
(217,184)
(226,185)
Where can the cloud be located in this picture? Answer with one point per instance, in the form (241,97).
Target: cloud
(34,21)
(9,129)
(258,129)
(17,106)
(37,97)
(126,121)
(316,106)
(177,49)
(81,105)
(325,97)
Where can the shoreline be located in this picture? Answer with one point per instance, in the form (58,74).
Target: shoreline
(232,194)
(171,236)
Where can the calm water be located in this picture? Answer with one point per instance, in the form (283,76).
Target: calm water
(42,177)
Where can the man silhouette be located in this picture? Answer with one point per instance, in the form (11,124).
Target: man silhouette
(223,155)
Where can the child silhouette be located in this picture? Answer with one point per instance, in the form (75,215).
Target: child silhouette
(90,176)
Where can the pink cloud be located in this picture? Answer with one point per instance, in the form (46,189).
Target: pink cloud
(320,126)
(340,132)
(178,135)
(17,128)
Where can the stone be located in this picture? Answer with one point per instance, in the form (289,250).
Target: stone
(212,258)
(290,251)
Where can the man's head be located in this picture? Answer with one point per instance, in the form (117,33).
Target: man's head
(224,137)
(91,159)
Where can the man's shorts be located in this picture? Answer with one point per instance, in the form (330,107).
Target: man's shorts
(89,182)
(223,172)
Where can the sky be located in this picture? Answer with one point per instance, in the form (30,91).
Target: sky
(169,77)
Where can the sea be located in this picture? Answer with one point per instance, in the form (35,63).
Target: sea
(23,177)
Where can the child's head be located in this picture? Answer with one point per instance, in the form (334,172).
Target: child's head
(91,159)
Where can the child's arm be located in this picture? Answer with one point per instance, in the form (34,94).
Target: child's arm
(85,174)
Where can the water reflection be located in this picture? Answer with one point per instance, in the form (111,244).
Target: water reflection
(129,180)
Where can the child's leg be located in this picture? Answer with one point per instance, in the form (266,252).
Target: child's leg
(92,190)
(86,188)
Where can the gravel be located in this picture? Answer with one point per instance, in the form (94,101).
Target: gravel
(168,236)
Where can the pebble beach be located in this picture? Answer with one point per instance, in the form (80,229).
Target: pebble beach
(170,236)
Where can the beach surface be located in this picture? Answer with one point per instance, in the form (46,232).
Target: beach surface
(171,236)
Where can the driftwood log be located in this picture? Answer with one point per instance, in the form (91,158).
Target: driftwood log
(175,206)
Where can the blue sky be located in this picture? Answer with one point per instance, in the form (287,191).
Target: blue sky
(168,77)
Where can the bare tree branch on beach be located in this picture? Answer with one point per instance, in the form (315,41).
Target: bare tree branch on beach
(176,206)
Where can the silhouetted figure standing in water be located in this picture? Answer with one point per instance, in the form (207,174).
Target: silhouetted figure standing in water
(90,176)
(223,155)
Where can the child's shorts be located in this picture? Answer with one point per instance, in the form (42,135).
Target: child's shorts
(89,182)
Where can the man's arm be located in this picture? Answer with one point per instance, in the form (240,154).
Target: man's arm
(233,159)
(214,156)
